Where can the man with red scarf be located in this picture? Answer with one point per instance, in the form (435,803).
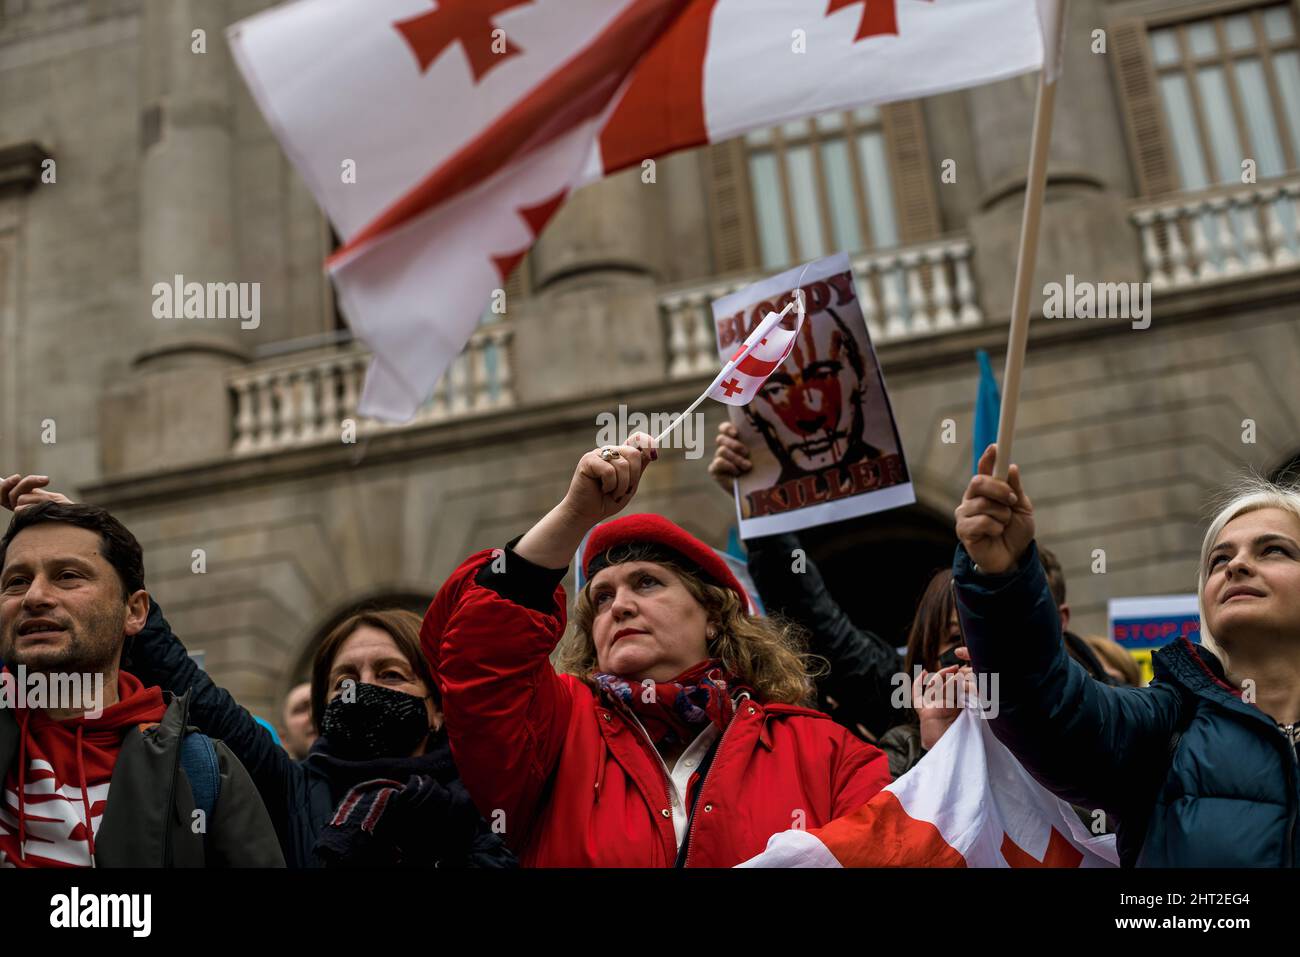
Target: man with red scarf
(104,778)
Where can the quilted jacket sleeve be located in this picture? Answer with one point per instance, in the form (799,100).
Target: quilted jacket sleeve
(156,656)
(1089,743)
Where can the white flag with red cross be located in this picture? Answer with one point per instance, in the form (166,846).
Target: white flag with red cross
(440,136)
(756,358)
(967,803)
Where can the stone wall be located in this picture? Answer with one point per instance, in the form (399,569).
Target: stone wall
(1122,433)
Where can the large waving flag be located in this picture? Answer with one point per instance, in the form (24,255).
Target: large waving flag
(968,803)
(440,136)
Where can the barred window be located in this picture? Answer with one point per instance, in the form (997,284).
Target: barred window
(1230,88)
(821,185)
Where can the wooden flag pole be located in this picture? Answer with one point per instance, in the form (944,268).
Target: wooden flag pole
(1018,337)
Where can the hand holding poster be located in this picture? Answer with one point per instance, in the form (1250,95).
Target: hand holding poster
(820,430)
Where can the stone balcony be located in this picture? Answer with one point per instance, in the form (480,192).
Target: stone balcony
(906,293)
(1220,235)
(310,398)
(913,298)
(543,370)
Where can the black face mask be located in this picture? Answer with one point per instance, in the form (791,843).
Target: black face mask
(377,723)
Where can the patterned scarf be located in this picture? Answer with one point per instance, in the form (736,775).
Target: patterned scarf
(676,711)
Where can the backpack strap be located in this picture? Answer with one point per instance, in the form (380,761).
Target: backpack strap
(199,761)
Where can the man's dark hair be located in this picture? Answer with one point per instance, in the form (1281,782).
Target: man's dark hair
(1055,576)
(116,543)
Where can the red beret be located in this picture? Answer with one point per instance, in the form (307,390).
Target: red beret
(658,531)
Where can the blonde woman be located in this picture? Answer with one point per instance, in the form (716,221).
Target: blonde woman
(674,731)
(1199,768)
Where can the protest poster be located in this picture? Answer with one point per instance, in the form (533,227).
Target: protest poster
(1144,625)
(820,431)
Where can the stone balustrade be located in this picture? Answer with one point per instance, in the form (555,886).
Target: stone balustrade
(311,398)
(914,291)
(1220,234)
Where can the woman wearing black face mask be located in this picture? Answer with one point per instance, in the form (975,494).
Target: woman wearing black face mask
(378,788)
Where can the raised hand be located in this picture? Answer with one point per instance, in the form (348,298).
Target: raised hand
(995,520)
(938,698)
(602,485)
(607,478)
(19,491)
(731,460)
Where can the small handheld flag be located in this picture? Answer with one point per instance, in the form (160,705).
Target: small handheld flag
(758,357)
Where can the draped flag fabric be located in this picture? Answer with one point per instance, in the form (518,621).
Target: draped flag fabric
(967,803)
(440,136)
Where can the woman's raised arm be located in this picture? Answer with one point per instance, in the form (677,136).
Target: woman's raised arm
(1091,744)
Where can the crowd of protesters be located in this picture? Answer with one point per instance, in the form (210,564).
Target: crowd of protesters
(653,720)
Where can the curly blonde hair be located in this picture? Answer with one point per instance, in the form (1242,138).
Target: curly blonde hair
(767,654)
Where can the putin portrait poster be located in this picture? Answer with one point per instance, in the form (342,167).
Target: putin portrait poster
(821,431)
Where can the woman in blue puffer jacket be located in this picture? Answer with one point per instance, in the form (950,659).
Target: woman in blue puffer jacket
(1200,768)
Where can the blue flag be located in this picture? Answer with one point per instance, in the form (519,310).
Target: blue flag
(988,403)
(734,548)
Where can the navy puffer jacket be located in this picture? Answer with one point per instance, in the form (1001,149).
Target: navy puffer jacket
(1190,774)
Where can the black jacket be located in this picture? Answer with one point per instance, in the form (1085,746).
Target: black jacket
(863,666)
(150,814)
(301,797)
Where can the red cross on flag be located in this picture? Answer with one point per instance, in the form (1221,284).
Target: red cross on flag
(756,358)
(967,803)
(440,136)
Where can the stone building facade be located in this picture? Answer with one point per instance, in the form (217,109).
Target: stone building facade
(222,446)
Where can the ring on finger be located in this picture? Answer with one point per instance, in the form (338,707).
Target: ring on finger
(610,454)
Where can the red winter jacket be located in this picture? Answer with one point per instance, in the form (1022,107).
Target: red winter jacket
(577,783)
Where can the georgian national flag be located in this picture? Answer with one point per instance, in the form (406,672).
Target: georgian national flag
(755,359)
(440,136)
(967,803)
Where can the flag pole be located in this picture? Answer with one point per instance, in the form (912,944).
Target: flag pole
(1040,141)
(693,406)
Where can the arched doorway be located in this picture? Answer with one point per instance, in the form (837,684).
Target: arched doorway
(877,566)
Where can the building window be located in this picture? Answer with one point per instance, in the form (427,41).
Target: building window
(821,185)
(1230,87)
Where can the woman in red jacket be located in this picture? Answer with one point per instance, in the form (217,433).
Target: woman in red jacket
(678,735)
